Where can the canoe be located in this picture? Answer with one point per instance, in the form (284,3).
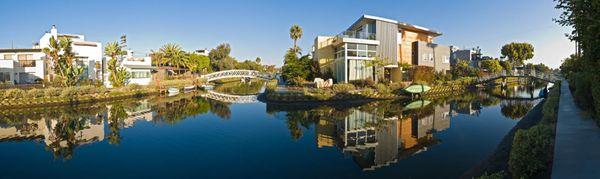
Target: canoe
(173,91)
(207,87)
(189,88)
(417,104)
(417,88)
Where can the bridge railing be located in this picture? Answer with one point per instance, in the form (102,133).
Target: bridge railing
(516,73)
(237,73)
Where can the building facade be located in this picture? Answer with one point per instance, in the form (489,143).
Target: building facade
(347,54)
(30,65)
(139,69)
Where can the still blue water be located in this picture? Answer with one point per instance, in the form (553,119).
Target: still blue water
(194,136)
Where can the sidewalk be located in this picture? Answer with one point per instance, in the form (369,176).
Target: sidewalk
(577,143)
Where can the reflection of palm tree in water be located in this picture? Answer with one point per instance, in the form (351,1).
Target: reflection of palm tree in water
(63,136)
(115,123)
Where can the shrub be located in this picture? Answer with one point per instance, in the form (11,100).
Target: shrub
(68,92)
(52,92)
(550,107)
(363,83)
(86,90)
(34,93)
(296,81)
(531,151)
(14,93)
(381,88)
(496,175)
(134,87)
(340,88)
(368,91)
(422,74)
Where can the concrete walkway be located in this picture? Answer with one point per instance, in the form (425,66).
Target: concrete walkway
(577,144)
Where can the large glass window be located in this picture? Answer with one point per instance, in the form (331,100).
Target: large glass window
(25,56)
(362,50)
(4,76)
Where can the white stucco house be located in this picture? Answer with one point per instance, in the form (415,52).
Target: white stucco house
(26,65)
(139,68)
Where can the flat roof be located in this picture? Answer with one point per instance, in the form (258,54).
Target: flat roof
(402,25)
(20,50)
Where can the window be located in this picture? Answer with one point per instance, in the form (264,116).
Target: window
(8,57)
(27,63)
(446,59)
(140,74)
(25,56)
(4,76)
(362,50)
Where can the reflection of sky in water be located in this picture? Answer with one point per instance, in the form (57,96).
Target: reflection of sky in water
(185,136)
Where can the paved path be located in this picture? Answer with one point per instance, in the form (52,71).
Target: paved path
(577,144)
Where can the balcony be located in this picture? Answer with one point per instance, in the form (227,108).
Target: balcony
(357,35)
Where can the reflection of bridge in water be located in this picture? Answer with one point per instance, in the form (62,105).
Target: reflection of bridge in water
(228,98)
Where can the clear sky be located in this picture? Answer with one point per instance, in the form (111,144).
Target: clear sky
(260,28)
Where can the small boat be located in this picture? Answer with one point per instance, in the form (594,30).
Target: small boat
(189,89)
(173,91)
(207,87)
(417,88)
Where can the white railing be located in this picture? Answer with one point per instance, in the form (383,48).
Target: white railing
(515,73)
(237,74)
(228,98)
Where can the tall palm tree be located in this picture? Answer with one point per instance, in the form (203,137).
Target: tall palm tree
(113,50)
(295,34)
(53,52)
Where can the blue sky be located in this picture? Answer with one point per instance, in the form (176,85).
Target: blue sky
(260,28)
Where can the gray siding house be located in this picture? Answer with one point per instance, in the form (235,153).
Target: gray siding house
(432,55)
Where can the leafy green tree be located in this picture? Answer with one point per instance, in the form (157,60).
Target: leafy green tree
(220,59)
(570,65)
(198,63)
(493,66)
(258,60)
(517,53)
(173,55)
(377,63)
(118,75)
(463,69)
(506,65)
(295,34)
(302,67)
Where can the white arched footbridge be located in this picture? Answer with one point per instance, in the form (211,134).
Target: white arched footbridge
(228,98)
(238,74)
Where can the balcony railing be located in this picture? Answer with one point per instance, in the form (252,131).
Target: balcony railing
(357,35)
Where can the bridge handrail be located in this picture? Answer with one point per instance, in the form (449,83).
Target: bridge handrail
(237,73)
(527,73)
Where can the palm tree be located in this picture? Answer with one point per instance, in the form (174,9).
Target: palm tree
(53,51)
(295,34)
(173,55)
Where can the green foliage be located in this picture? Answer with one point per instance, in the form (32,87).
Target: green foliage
(363,83)
(531,152)
(506,65)
(343,88)
(296,81)
(220,59)
(118,77)
(550,108)
(463,69)
(570,66)
(14,93)
(517,53)
(61,55)
(422,74)
(515,110)
(303,67)
(496,175)
(295,34)
(378,64)
(249,65)
(382,88)
(35,93)
(538,67)
(68,92)
(198,63)
(52,92)
(493,66)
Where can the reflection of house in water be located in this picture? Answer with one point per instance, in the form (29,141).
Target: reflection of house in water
(375,142)
(468,108)
(69,130)
(52,132)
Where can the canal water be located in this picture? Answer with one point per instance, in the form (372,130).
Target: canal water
(234,136)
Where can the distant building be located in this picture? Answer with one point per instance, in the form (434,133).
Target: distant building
(431,55)
(26,65)
(473,56)
(202,52)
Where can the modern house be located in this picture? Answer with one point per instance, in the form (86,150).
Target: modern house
(473,56)
(139,69)
(27,65)
(346,55)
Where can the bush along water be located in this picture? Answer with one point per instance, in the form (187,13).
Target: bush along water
(68,95)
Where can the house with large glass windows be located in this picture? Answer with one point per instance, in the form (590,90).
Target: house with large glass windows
(346,55)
